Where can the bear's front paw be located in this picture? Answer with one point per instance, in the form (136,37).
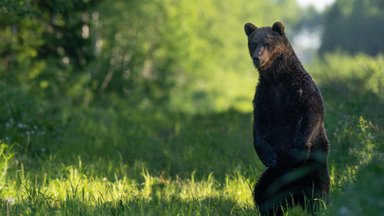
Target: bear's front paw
(269,158)
(298,156)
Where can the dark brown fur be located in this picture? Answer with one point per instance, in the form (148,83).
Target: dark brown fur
(289,134)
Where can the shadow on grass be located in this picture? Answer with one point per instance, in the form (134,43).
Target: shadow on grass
(354,123)
(110,143)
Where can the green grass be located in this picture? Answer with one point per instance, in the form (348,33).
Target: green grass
(112,158)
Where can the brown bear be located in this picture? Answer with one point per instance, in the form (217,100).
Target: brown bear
(288,126)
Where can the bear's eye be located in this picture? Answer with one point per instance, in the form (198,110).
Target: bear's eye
(253,46)
(266,45)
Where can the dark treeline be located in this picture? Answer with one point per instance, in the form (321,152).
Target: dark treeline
(354,26)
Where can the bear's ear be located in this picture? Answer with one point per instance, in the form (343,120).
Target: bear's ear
(249,28)
(279,28)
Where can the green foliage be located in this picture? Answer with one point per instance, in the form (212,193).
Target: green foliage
(155,50)
(46,46)
(352,26)
(148,51)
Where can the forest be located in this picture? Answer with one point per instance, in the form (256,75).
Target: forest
(144,107)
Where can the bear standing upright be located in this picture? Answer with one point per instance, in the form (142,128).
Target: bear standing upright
(288,127)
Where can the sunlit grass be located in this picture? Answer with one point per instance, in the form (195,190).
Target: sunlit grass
(38,194)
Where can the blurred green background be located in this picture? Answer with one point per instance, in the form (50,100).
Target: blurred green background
(143,107)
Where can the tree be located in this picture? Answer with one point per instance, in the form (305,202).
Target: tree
(46,44)
(354,26)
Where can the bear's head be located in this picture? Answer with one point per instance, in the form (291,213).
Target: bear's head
(266,44)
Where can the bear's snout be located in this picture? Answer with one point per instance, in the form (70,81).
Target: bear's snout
(256,61)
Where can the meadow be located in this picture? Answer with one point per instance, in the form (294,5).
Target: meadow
(114,158)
